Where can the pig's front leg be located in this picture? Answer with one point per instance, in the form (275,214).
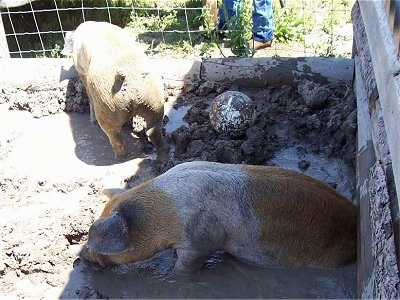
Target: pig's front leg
(190,260)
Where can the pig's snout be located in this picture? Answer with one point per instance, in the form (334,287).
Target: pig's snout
(93,259)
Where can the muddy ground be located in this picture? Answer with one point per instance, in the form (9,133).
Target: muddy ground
(54,165)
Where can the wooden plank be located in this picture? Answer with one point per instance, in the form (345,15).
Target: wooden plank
(4,51)
(389,7)
(396,25)
(13,3)
(387,70)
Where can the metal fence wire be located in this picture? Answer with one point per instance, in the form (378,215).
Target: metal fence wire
(174,27)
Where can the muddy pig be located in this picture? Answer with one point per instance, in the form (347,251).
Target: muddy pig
(118,82)
(266,216)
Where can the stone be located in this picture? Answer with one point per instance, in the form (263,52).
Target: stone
(232,112)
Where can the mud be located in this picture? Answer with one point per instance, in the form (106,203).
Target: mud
(54,165)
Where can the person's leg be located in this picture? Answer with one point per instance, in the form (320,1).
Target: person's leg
(228,9)
(263,24)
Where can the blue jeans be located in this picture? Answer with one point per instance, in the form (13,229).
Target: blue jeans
(263,18)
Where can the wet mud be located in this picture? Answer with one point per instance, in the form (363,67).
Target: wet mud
(54,165)
(222,277)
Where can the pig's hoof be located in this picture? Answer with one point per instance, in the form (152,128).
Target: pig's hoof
(185,267)
(179,268)
(120,156)
(120,151)
(163,154)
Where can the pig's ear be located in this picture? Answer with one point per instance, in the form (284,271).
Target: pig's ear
(110,235)
(83,59)
(112,192)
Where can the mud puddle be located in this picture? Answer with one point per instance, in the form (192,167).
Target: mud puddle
(53,170)
(175,117)
(332,171)
(228,278)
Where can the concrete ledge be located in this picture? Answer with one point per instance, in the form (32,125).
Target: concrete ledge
(386,281)
(266,71)
(365,160)
(249,72)
(51,71)
(378,106)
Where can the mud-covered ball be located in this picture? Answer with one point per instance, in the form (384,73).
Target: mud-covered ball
(232,112)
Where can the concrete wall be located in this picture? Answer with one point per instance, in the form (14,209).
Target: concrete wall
(378,159)
(250,72)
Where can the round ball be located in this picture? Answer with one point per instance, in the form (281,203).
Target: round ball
(232,112)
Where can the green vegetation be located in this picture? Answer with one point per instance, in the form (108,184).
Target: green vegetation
(164,25)
(239,29)
(46,19)
(53,53)
(289,25)
(322,24)
(167,24)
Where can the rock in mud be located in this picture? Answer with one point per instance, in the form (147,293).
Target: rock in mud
(314,95)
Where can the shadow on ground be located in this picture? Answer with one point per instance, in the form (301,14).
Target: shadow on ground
(92,145)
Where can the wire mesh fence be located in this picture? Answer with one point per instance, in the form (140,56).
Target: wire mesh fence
(176,27)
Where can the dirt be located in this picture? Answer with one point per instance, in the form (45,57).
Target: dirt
(54,165)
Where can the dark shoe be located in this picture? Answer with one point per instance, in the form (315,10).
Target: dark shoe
(256,45)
